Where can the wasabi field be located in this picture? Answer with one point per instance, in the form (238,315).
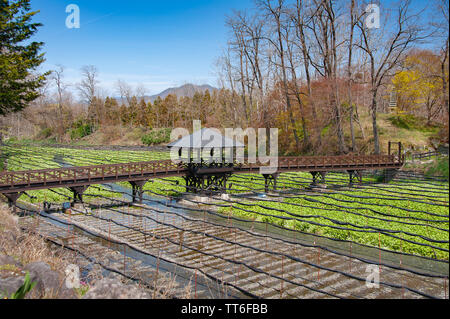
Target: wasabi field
(403,222)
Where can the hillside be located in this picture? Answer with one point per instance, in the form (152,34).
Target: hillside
(411,131)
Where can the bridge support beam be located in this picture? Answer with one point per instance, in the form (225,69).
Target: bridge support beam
(78,193)
(12,199)
(137,191)
(217,182)
(317,174)
(270,180)
(194,183)
(354,174)
(389,174)
(201,183)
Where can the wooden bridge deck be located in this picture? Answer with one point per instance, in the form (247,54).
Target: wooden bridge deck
(20,181)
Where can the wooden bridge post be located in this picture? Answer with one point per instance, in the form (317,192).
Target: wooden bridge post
(78,193)
(270,179)
(266,184)
(353,174)
(137,191)
(389,174)
(315,174)
(12,199)
(194,183)
(350,174)
(314,177)
(322,177)
(359,174)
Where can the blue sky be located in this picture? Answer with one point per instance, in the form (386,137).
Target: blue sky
(159,44)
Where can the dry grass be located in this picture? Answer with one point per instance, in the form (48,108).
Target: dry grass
(389,132)
(26,247)
(115,135)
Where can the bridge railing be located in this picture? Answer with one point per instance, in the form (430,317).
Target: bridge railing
(326,161)
(87,172)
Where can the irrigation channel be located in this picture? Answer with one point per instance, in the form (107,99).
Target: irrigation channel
(174,241)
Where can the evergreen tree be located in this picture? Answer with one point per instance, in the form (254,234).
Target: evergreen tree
(19,58)
(108,111)
(123,112)
(111,111)
(157,110)
(133,111)
(142,113)
(150,115)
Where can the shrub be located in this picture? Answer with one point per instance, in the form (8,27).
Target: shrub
(80,130)
(45,133)
(411,122)
(156,137)
(438,168)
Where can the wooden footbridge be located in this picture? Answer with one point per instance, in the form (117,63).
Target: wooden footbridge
(198,178)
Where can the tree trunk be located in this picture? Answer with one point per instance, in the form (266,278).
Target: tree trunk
(359,121)
(244,101)
(374,123)
(352,129)
(350,51)
(444,80)
(340,132)
(308,83)
(285,86)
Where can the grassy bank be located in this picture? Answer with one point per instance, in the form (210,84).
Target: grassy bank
(434,167)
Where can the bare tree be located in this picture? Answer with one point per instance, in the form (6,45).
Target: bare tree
(385,48)
(225,72)
(251,29)
(276,13)
(124,90)
(237,45)
(442,26)
(292,59)
(88,86)
(140,91)
(57,76)
(353,21)
(324,27)
(301,19)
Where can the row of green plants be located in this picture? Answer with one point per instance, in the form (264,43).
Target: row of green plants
(47,157)
(363,209)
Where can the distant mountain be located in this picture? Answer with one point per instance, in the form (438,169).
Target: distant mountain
(184,90)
